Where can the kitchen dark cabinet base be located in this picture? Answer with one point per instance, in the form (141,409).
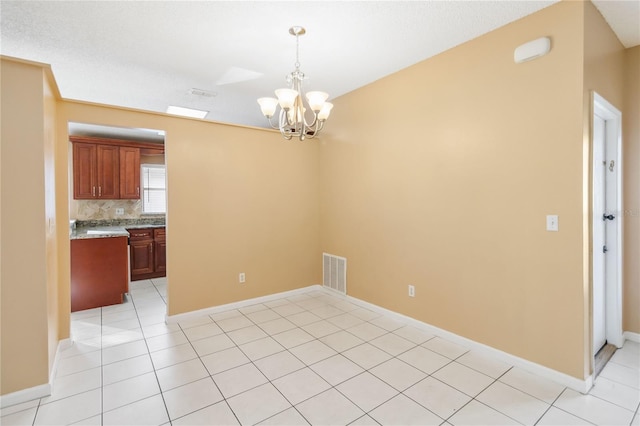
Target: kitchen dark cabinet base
(148,253)
(99,272)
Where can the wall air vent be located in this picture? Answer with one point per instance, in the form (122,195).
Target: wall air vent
(334,273)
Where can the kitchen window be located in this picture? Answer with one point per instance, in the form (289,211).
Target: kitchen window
(154,188)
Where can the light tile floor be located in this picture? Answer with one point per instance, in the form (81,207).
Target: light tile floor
(313,358)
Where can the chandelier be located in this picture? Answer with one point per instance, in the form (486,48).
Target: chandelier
(293,113)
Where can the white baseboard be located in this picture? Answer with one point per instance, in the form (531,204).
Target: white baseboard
(631,336)
(62,345)
(25,395)
(241,304)
(574,383)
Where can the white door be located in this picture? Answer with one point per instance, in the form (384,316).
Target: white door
(599,234)
(606,225)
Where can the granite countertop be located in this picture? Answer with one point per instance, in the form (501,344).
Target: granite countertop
(111,228)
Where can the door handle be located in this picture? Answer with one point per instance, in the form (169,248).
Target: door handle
(608,217)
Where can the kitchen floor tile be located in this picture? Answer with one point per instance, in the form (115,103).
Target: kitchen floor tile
(218,414)
(413,334)
(263,316)
(401,410)
(288,309)
(165,341)
(202,331)
(239,379)
(78,363)
(424,359)
(367,331)
(476,413)
(73,384)
(277,326)
(290,417)
(124,351)
(224,360)
(261,348)
(320,328)
(398,374)
(444,347)
(387,323)
(181,374)
(484,363)
(149,411)
(593,409)
(543,389)
(622,374)
(246,334)
(617,393)
(336,369)
(366,355)
(126,369)
(107,375)
(213,344)
(345,321)
(342,410)
(19,418)
(392,344)
(248,412)
(292,338)
(170,356)
(301,385)
(130,390)
(70,410)
(278,365)
(437,397)
(557,417)
(341,341)
(234,323)
(312,352)
(366,391)
(303,318)
(463,378)
(516,404)
(192,397)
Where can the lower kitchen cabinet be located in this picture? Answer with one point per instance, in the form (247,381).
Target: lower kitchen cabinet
(148,253)
(99,273)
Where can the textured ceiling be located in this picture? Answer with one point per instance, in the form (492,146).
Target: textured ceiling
(149,54)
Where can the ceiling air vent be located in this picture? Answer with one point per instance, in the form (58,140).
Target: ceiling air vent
(203,93)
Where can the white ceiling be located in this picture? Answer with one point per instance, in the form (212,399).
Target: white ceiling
(149,54)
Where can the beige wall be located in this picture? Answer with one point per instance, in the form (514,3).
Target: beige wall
(631,152)
(26,120)
(441,176)
(239,200)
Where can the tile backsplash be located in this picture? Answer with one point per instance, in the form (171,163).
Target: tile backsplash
(105,209)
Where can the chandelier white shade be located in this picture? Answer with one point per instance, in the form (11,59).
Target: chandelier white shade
(293,115)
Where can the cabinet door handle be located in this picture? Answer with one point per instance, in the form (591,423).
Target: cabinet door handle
(99,191)
(93,191)
(138,189)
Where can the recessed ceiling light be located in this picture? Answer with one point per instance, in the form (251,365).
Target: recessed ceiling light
(186,112)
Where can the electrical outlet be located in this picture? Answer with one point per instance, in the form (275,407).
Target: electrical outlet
(412,291)
(119,211)
(241,277)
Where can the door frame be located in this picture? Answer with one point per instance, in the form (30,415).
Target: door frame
(613,286)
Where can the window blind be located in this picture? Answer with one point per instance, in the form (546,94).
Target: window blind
(154,199)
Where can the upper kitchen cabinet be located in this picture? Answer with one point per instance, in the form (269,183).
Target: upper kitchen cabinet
(96,172)
(108,168)
(129,172)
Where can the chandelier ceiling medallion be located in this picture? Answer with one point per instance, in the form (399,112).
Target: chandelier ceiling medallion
(292,121)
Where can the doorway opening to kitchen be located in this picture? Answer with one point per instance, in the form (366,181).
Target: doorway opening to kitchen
(117,208)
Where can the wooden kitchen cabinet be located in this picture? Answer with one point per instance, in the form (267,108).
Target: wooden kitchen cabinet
(160,251)
(99,275)
(129,173)
(96,171)
(148,253)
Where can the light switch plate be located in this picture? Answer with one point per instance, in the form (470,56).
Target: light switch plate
(552,222)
